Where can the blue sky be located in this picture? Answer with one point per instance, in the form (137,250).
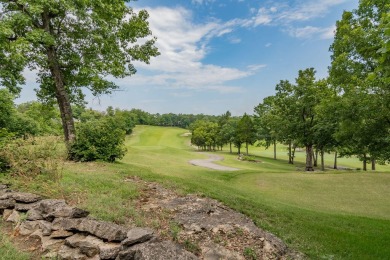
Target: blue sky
(223,55)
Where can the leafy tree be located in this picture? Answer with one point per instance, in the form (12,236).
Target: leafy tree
(45,116)
(228,132)
(360,68)
(204,134)
(327,123)
(245,131)
(6,108)
(72,44)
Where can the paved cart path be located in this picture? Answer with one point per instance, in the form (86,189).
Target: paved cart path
(209,163)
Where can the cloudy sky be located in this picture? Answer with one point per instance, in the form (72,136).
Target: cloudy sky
(219,55)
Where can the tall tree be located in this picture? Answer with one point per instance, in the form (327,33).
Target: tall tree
(71,45)
(246,131)
(360,68)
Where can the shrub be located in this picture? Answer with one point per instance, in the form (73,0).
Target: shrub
(31,157)
(5,138)
(98,140)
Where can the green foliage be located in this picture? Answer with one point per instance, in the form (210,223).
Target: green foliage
(360,69)
(46,117)
(175,230)
(249,253)
(101,40)
(204,134)
(245,132)
(32,157)
(73,45)
(192,247)
(98,140)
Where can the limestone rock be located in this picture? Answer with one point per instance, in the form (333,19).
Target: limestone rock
(28,227)
(156,251)
(25,206)
(69,253)
(7,203)
(72,241)
(101,229)
(3,186)
(137,235)
(45,226)
(215,252)
(51,209)
(61,234)
(109,250)
(7,213)
(37,234)
(273,247)
(34,214)
(50,244)
(20,197)
(88,245)
(14,217)
(25,197)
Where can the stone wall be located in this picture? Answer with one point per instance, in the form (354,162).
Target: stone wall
(67,232)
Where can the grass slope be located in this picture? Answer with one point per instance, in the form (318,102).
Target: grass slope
(331,215)
(336,214)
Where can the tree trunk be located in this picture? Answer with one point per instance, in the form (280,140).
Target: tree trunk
(274,149)
(315,157)
(290,160)
(239,149)
(230,147)
(322,160)
(335,161)
(62,98)
(309,158)
(293,154)
(246,144)
(60,91)
(364,162)
(373,164)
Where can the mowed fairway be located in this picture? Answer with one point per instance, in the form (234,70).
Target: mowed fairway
(331,215)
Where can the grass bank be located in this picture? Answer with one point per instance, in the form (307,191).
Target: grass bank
(326,215)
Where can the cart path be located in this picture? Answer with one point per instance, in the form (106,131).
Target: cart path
(209,163)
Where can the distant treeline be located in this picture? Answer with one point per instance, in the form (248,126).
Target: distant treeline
(37,119)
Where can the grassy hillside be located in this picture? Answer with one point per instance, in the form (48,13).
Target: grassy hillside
(331,215)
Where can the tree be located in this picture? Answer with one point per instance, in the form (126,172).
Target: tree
(267,122)
(45,116)
(245,131)
(360,69)
(72,45)
(204,134)
(228,132)
(7,109)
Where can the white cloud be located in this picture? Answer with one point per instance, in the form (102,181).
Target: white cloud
(268,45)
(256,67)
(234,40)
(183,45)
(200,2)
(283,14)
(308,32)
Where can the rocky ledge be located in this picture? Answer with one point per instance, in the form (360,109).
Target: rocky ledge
(66,232)
(215,231)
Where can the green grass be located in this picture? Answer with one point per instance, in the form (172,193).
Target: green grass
(336,214)
(326,215)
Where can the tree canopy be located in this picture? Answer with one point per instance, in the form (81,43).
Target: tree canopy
(71,45)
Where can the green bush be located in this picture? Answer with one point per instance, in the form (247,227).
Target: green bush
(30,157)
(98,140)
(5,138)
